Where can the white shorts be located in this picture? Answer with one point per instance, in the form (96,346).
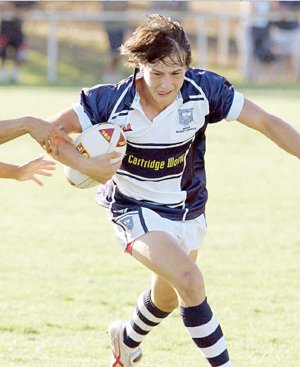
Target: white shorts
(132,225)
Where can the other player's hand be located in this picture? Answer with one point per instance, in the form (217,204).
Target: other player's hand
(31,169)
(47,135)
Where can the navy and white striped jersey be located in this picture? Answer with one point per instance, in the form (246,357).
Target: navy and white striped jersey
(163,168)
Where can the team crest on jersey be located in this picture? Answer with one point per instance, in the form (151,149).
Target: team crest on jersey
(127,222)
(185,116)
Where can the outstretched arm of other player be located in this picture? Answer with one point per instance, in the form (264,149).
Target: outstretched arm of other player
(42,131)
(98,168)
(276,129)
(27,171)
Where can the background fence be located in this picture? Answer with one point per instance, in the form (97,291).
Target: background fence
(220,29)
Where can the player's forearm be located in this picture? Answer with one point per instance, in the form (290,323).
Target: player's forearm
(11,129)
(281,133)
(284,135)
(69,156)
(8,171)
(99,168)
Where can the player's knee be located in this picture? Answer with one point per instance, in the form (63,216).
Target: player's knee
(191,289)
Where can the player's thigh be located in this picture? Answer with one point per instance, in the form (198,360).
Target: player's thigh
(160,252)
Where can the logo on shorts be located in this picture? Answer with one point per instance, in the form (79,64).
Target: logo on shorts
(127,222)
(185,116)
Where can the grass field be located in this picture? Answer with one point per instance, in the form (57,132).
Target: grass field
(63,277)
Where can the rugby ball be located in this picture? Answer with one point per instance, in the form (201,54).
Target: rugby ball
(96,140)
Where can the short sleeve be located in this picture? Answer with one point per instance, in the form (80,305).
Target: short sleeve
(95,103)
(83,118)
(236,107)
(223,101)
(220,94)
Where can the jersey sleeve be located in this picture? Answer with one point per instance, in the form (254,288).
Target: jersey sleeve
(83,118)
(95,102)
(224,102)
(236,106)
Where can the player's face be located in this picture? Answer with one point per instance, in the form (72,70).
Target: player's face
(163,81)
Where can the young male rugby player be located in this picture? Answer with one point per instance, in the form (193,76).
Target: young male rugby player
(156,198)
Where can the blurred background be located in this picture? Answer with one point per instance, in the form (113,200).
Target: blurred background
(76,42)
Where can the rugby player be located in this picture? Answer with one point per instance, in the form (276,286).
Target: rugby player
(156,199)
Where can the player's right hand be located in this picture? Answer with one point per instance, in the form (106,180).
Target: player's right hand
(101,169)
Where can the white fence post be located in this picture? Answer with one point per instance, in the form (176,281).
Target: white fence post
(202,43)
(223,38)
(52,50)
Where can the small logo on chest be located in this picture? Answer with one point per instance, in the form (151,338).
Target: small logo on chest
(127,127)
(185,116)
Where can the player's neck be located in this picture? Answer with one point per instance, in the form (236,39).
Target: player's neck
(151,107)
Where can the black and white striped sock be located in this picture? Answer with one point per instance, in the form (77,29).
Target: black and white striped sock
(144,318)
(207,334)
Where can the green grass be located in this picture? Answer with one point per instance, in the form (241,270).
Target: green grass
(63,277)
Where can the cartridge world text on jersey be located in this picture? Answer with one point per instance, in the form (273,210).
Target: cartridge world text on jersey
(154,164)
(168,160)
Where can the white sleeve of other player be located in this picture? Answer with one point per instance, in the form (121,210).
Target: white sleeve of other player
(236,107)
(83,118)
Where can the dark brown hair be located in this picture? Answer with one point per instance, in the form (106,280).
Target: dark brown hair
(155,39)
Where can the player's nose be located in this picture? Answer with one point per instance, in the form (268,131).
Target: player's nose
(166,82)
